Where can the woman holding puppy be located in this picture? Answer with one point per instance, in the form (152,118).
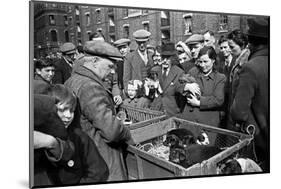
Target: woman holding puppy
(203,106)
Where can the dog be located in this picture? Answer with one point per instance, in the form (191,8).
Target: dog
(192,154)
(238,166)
(178,138)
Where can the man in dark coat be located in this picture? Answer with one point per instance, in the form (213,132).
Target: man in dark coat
(168,74)
(250,105)
(123,46)
(195,43)
(138,63)
(64,65)
(98,116)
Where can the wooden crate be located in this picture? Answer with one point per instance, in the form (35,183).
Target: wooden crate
(143,165)
(140,114)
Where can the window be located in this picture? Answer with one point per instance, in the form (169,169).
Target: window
(145,25)
(66,36)
(52,19)
(126,30)
(78,30)
(89,35)
(77,12)
(54,36)
(125,13)
(88,19)
(111,24)
(70,19)
(165,35)
(165,18)
(110,10)
(98,16)
(187,18)
(134,12)
(65,20)
(145,11)
(112,38)
(223,23)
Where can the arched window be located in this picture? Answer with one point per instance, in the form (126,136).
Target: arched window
(66,36)
(54,36)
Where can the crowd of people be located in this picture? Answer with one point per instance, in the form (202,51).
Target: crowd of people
(219,82)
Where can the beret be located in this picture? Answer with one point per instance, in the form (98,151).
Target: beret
(68,48)
(121,42)
(103,49)
(258,27)
(141,35)
(194,39)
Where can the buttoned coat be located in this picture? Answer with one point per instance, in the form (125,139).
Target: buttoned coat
(132,67)
(98,119)
(211,100)
(251,101)
(171,88)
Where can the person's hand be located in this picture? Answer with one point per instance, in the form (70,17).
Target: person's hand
(117,100)
(193,101)
(193,88)
(42,140)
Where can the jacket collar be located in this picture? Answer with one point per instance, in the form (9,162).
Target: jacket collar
(211,75)
(38,77)
(84,71)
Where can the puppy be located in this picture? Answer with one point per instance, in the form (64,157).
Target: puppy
(179,138)
(192,154)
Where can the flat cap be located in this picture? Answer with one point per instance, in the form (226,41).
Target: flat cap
(121,42)
(258,27)
(194,39)
(68,48)
(103,49)
(141,35)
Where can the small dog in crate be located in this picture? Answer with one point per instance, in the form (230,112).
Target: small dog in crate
(179,138)
(192,154)
(239,165)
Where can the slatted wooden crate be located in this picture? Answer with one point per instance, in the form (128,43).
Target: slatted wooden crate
(140,114)
(143,165)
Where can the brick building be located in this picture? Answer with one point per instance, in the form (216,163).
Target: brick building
(56,23)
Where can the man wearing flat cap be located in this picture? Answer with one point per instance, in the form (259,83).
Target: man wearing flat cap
(169,74)
(64,65)
(99,118)
(138,63)
(195,43)
(251,101)
(123,46)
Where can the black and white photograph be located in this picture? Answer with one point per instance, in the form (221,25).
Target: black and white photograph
(122,94)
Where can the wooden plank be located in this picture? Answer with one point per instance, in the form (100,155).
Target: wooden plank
(147,122)
(151,131)
(139,167)
(212,129)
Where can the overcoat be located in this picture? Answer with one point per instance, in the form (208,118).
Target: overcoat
(211,100)
(132,67)
(99,120)
(171,88)
(251,101)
